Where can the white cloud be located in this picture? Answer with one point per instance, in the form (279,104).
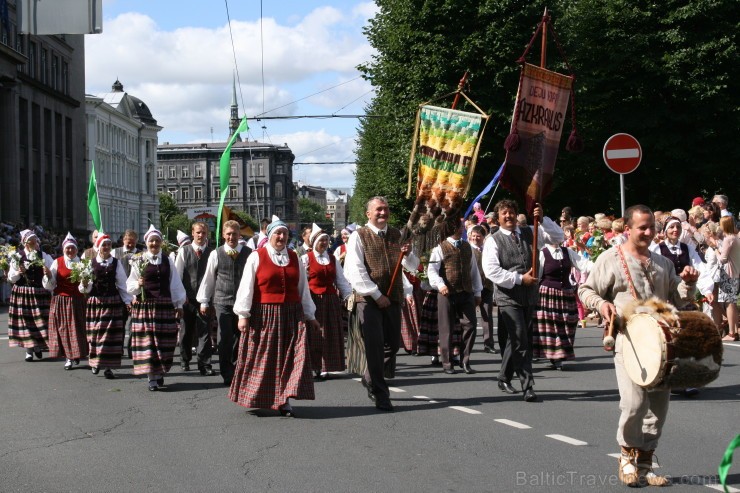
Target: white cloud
(184,75)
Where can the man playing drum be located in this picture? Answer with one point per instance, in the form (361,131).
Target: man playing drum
(621,275)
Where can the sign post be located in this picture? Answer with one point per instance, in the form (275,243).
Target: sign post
(622,154)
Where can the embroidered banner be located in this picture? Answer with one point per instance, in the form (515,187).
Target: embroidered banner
(539,114)
(448,144)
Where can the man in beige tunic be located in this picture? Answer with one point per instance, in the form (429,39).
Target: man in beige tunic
(608,290)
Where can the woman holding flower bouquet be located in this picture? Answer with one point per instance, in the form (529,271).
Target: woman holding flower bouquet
(108,299)
(28,314)
(155,310)
(67,314)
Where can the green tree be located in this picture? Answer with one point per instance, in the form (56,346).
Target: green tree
(661,72)
(172,218)
(310,212)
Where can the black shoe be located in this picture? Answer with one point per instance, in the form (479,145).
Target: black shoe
(488,349)
(366,384)
(185,365)
(691,392)
(95,370)
(29,357)
(384,405)
(160,381)
(318,376)
(529,395)
(506,387)
(76,361)
(153,387)
(227,382)
(467,369)
(288,413)
(206,371)
(436,361)
(108,373)
(38,354)
(449,371)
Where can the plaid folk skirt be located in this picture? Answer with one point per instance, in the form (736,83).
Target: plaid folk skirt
(274,364)
(67,327)
(105,331)
(28,317)
(153,336)
(356,359)
(555,328)
(327,343)
(410,325)
(428,329)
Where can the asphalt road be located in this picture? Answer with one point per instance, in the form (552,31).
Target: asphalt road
(74,431)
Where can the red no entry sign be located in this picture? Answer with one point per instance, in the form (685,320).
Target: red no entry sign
(622,153)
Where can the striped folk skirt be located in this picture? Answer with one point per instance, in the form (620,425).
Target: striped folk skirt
(557,319)
(274,363)
(105,331)
(410,325)
(428,329)
(327,343)
(28,317)
(67,327)
(356,359)
(153,336)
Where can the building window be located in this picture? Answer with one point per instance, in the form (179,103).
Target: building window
(216,170)
(185,172)
(160,173)
(198,193)
(65,77)
(172,192)
(279,169)
(216,192)
(44,66)
(233,191)
(32,59)
(185,193)
(260,169)
(173,172)
(198,171)
(233,170)
(55,72)
(279,190)
(279,211)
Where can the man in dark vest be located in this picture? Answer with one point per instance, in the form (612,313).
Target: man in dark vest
(507,262)
(218,287)
(191,264)
(124,254)
(372,253)
(453,273)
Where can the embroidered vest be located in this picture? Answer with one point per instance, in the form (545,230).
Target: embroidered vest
(34,275)
(157,279)
(455,267)
(381,255)
(679,261)
(64,286)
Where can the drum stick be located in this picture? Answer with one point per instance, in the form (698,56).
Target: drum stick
(608,341)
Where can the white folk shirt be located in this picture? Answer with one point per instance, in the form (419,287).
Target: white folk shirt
(579,263)
(435,262)
(245,293)
(120,280)
(50,282)
(548,232)
(14,274)
(177,290)
(345,290)
(354,265)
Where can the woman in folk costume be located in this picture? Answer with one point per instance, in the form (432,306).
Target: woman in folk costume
(28,314)
(328,288)
(67,314)
(341,251)
(183,239)
(106,303)
(274,306)
(557,313)
(409,314)
(155,310)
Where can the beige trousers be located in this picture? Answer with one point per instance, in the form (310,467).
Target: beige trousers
(643,411)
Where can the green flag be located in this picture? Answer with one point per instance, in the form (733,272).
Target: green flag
(226,174)
(92,199)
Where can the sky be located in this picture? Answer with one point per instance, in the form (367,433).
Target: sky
(295,57)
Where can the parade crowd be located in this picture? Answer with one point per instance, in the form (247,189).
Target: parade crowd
(284,317)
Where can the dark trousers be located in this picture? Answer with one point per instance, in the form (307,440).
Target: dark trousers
(486,314)
(194,331)
(518,323)
(381,333)
(500,332)
(450,309)
(228,340)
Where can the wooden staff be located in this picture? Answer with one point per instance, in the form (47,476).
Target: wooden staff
(397,269)
(543,63)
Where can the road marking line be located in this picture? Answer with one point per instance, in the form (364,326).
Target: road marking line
(395,389)
(566,439)
(515,424)
(465,409)
(733,344)
(425,398)
(622,153)
(718,487)
(357,379)
(4,338)
(617,455)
